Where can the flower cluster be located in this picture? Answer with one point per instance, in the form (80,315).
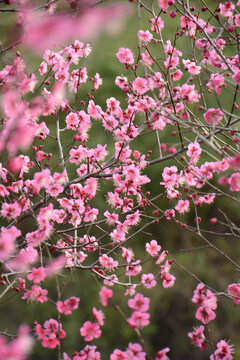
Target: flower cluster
(87,199)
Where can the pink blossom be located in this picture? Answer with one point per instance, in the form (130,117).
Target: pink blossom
(234,291)
(213,116)
(135,352)
(234,182)
(46,31)
(105,294)
(191,67)
(168,280)
(162,354)
(140,85)
(157,24)
(182,206)
(90,331)
(36,294)
(205,314)
(148,280)
(98,315)
(72,121)
(134,268)
(146,59)
(107,262)
(177,75)
(237,20)
(133,219)
(202,43)
(226,9)
(216,82)
(127,254)
(153,248)
(119,355)
(54,190)
(125,56)
(37,275)
(197,337)
(224,351)
(139,303)
(163,4)
(43,68)
(234,162)
(236,77)
(171,62)
(169,214)
(194,152)
(97,81)
(11,211)
(138,320)
(145,36)
(8,237)
(203,297)
(188,93)
(19,347)
(50,334)
(68,305)
(77,155)
(112,218)
(43,178)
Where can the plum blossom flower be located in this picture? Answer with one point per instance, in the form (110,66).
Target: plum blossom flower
(194,152)
(168,280)
(226,9)
(97,81)
(197,337)
(145,36)
(234,182)
(216,82)
(8,237)
(191,67)
(37,275)
(236,77)
(90,331)
(138,319)
(162,354)
(125,56)
(135,351)
(107,262)
(182,206)
(50,333)
(224,351)
(153,248)
(213,116)
(105,294)
(11,211)
(148,280)
(68,305)
(98,315)
(205,314)
(36,294)
(164,4)
(139,302)
(140,85)
(119,355)
(234,291)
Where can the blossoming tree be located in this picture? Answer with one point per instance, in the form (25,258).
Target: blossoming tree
(191,93)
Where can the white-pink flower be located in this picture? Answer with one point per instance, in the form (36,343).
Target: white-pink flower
(153,248)
(182,206)
(213,116)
